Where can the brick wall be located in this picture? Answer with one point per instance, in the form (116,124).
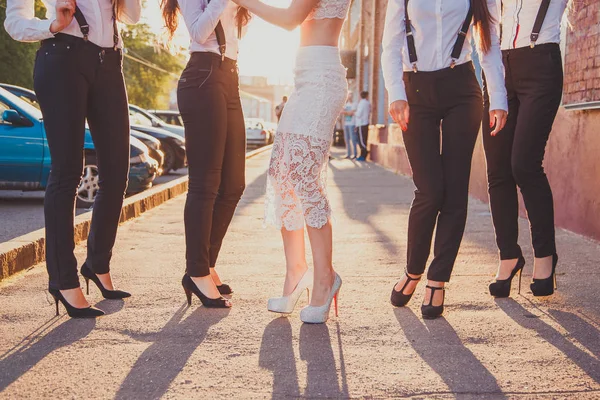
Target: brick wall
(582,54)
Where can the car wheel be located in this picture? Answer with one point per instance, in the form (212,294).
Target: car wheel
(170,158)
(90,183)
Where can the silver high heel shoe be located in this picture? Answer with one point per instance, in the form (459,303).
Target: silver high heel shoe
(286,304)
(320,314)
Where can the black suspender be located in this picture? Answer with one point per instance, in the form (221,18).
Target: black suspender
(539,21)
(410,39)
(85,27)
(462,34)
(221,41)
(456,50)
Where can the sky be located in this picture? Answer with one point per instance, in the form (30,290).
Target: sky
(265,50)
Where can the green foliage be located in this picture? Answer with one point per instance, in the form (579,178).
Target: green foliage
(146,86)
(16,62)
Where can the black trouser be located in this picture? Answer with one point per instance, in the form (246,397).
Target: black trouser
(75,80)
(363,137)
(445,117)
(534,80)
(209,102)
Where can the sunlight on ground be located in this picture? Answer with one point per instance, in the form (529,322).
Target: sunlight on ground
(266,50)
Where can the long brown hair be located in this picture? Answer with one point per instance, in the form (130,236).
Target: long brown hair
(170,13)
(483,21)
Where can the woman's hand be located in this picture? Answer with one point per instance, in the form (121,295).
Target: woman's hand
(498,118)
(65,9)
(400,112)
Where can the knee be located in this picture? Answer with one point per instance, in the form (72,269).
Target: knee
(233,193)
(525,170)
(432,197)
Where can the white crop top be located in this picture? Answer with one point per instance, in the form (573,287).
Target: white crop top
(330,9)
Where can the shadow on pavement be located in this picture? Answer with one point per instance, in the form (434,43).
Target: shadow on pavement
(170,350)
(578,329)
(277,355)
(438,344)
(321,375)
(39,344)
(368,199)
(110,306)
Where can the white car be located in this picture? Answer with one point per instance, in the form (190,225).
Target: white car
(257,132)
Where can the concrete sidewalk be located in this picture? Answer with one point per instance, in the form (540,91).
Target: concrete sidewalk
(154,346)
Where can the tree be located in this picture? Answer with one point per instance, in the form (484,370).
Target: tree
(16,66)
(148,87)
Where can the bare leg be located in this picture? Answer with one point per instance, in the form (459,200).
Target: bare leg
(438,298)
(505,268)
(295,259)
(75,297)
(321,243)
(410,288)
(542,267)
(215,276)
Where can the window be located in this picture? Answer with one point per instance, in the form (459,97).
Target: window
(137,118)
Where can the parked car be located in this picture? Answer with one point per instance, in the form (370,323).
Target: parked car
(154,148)
(257,134)
(140,117)
(168,116)
(25,156)
(172,145)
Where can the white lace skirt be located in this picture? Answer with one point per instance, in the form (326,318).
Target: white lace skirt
(296,184)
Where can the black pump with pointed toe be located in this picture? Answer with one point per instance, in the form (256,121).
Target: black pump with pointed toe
(74,312)
(89,275)
(190,288)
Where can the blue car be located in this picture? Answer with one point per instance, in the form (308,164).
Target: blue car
(25,156)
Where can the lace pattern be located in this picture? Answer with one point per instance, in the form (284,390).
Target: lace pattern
(330,9)
(296,184)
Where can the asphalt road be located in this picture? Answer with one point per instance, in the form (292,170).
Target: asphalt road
(23,212)
(153,346)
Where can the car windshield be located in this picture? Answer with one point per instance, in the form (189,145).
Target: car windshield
(25,106)
(139,117)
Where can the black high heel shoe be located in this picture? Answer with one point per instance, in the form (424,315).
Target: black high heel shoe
(88,312)
(190,287)
(225,289)
(398,298)
(545,287)
(429,311)
(88,274)
(501,287)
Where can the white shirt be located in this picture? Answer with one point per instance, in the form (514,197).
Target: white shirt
(518,17)
(202,17)
(363,112)
(350,119)
(435,26)
(22,25)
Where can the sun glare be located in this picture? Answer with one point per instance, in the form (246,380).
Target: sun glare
(265,50)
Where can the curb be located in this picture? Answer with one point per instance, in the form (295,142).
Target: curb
(28,250)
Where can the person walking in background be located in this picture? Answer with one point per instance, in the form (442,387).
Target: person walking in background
(349,127)
(209,101)
(296,183)
(362,118)
(437,102)
(78,76)
(279,108)
(534,80)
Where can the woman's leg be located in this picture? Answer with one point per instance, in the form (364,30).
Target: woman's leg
(233,176)
(62,93)
(295,258)
(321,244)
(502,188)
(203,105)
(108,117)
(540,98)
(460,126)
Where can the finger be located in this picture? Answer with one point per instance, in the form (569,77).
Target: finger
(503,121)
(498,125)
(407,114)
(402,122)
(492,119)
(394,114)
